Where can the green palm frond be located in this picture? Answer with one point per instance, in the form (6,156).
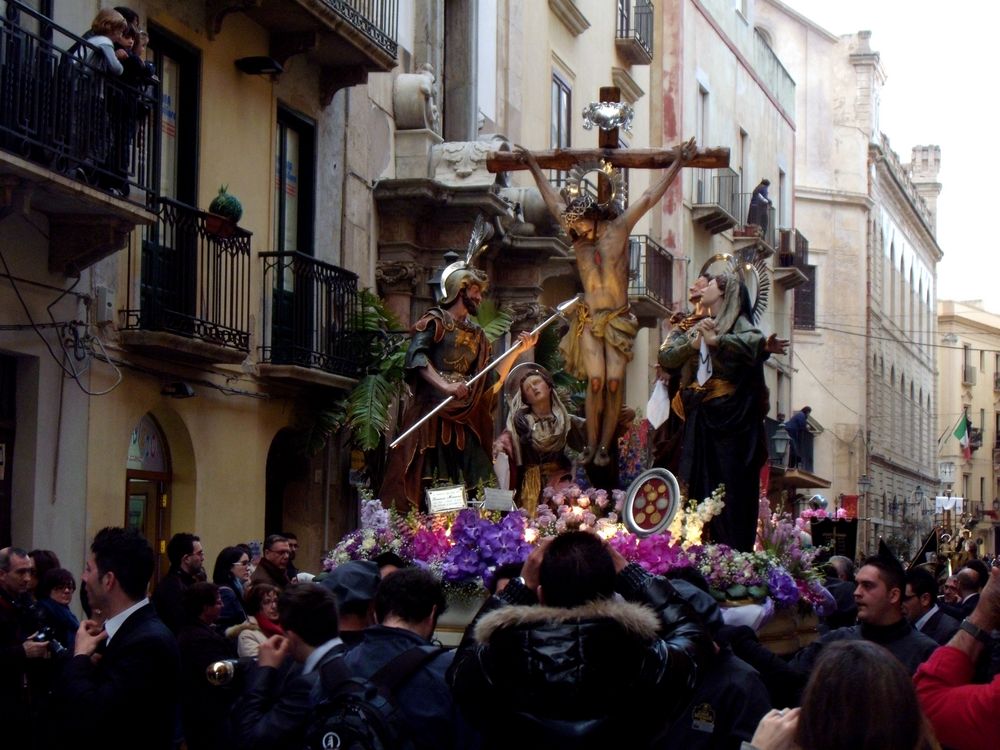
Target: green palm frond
(494,321)
(317,420)
(368,410)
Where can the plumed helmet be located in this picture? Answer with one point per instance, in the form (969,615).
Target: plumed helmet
(458,276)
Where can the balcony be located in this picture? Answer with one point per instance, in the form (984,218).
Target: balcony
(347,39)
(745,233)
(309,333)
(650,279)
(76,145)
(193,296)
(634,37)
(715,205)
(793,259)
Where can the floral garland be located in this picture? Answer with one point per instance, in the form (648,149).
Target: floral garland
(464,549)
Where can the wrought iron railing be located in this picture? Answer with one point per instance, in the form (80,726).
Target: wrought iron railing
(636,22)
(60,111)
(194,278)
(311,311)
(766,228)
(378,19)
(719,187)
(793,250)
(650,270)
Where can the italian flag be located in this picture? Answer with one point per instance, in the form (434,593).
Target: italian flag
(962,433)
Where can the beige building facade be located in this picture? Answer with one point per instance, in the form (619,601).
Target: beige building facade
(969,382)
(865,323)
(165,388)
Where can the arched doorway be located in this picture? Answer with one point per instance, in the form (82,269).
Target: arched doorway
(307,495)
(147,491)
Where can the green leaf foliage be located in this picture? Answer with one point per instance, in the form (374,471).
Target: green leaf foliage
(494,321)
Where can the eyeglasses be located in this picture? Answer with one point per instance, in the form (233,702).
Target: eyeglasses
(242,562)
(65,587)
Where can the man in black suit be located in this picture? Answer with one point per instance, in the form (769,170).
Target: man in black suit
(970,580)
(120,689)
(921,609)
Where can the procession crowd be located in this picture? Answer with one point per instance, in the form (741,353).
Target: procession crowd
(576,646)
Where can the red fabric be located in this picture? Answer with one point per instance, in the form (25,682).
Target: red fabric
(964,716)
(850,505)
(269,627)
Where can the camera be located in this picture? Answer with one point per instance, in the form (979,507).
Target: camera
(45,633)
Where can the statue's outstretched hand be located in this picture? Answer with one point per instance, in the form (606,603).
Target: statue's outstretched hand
(529,158)
(689,149)
(775,345)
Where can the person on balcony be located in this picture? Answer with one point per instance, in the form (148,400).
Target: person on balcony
(797,427)
(759,205)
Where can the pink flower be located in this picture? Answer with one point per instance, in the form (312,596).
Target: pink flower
(583,501)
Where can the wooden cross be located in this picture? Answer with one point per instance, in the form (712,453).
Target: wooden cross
(608,149)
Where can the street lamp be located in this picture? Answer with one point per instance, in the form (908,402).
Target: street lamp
(779,444)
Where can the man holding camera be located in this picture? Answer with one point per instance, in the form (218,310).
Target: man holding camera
(19,651)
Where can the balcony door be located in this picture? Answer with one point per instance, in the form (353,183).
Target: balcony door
(169,257)
(296,288)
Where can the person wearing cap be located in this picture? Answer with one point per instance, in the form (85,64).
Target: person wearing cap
(354,585)
(448,348)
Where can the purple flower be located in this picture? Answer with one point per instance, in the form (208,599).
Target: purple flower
(783,587)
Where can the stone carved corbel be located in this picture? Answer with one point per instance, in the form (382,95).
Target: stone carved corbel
(464,162)
(398,275)
(414,100)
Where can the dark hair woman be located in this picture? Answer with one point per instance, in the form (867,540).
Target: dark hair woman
(54,593)
(232,575)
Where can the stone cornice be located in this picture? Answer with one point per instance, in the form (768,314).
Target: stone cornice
(629,88)
(571,17)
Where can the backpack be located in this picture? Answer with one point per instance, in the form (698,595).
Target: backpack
(353,713)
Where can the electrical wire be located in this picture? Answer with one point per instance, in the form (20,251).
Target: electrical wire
(80,345)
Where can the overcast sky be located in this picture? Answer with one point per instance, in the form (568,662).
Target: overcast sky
(940,65)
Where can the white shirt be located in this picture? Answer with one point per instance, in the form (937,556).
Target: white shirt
(919,624)
(318,653)
(112,624)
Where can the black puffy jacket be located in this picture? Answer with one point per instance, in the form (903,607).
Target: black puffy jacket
(609,671)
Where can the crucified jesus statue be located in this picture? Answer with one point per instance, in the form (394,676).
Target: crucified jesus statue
(599,343)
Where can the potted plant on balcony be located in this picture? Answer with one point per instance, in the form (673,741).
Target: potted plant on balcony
(224,213)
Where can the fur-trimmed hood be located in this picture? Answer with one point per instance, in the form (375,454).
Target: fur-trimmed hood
(249,624)
(638,620)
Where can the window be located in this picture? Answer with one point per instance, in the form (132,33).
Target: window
(561,119)
(486,62)
(805,301)
(177,64)
(294,187)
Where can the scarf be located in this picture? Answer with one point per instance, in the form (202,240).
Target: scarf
(268,627)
